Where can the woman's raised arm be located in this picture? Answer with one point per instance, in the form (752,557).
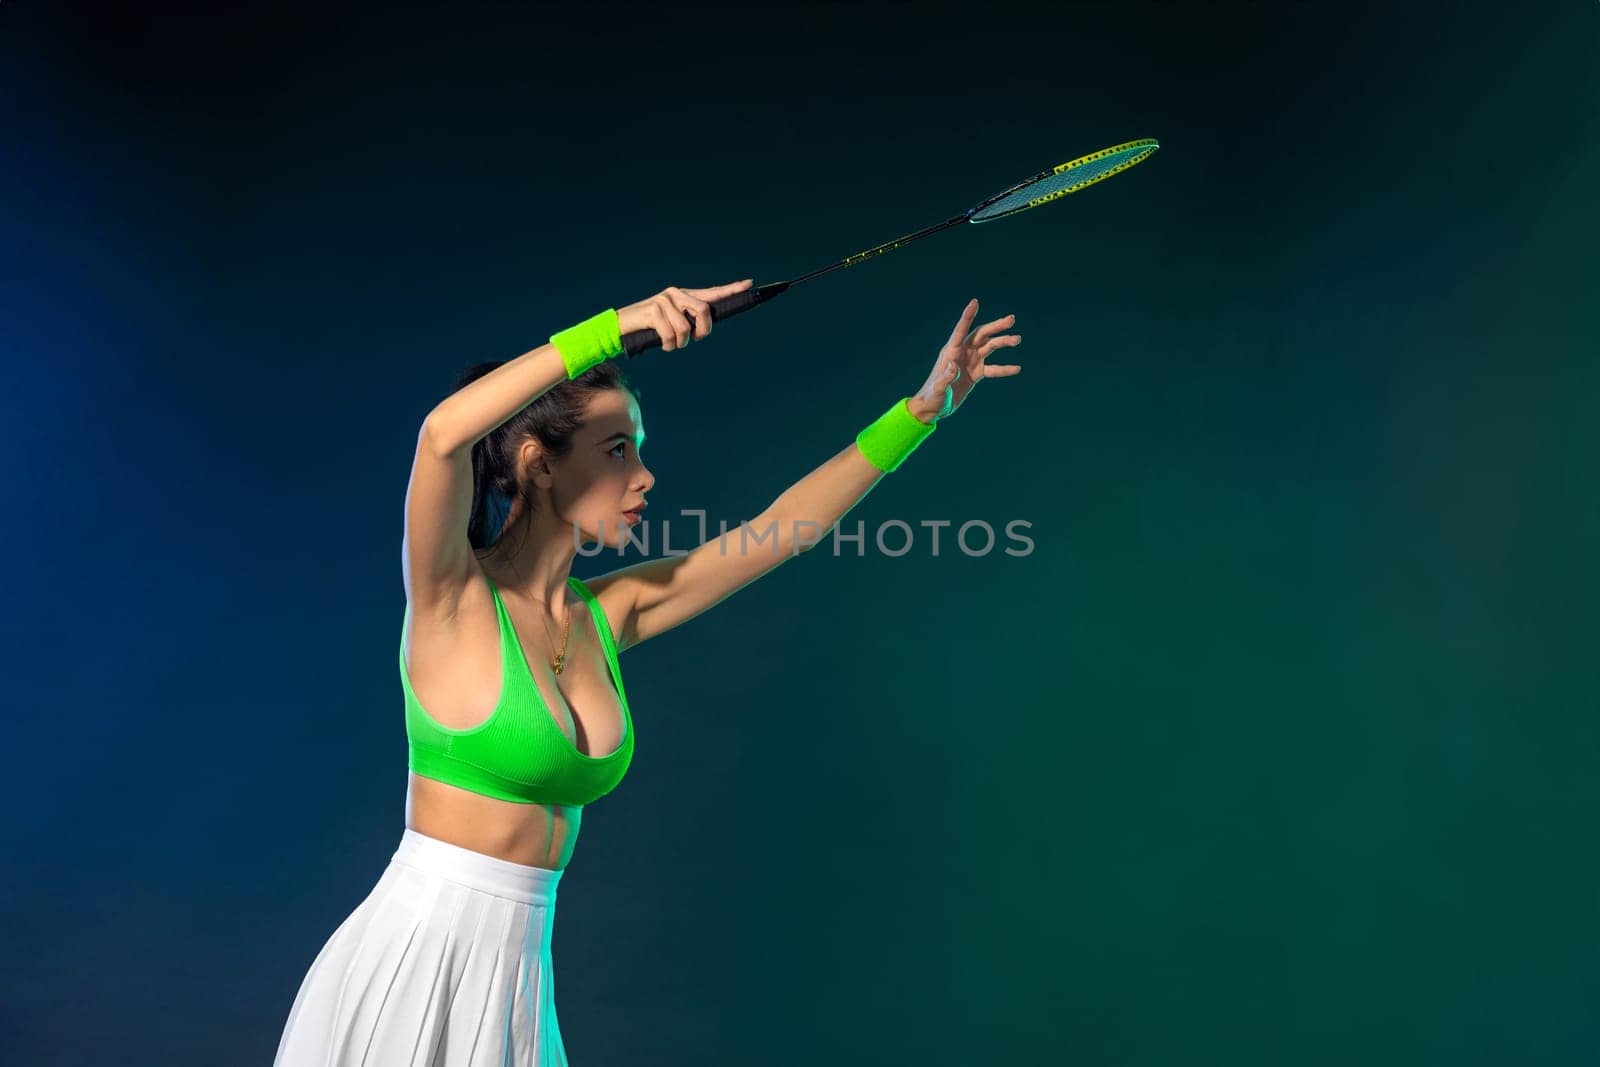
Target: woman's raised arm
(663,593)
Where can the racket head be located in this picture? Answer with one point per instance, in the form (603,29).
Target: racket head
(1057,182)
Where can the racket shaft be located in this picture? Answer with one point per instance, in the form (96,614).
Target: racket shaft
(890,246)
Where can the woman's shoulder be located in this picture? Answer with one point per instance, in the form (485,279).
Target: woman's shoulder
(608,594)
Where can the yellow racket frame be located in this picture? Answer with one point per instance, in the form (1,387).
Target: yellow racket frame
(1149,144)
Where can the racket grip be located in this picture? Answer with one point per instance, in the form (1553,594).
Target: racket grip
(638,341)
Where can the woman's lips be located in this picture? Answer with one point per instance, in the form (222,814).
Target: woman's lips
(633,516)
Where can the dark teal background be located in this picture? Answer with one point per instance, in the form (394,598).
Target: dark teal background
(1279,748)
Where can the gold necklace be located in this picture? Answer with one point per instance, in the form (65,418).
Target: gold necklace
(561,657)
(560,660)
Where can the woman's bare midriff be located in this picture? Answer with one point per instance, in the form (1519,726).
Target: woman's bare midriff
(455,672)
(536,835)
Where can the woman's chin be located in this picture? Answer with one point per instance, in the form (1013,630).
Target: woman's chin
(610,535)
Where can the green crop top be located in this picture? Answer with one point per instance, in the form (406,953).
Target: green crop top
(518,753)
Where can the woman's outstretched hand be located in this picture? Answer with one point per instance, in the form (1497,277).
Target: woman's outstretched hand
(668,313)
(961,365)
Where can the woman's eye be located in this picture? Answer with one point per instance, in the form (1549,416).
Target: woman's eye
(619,444)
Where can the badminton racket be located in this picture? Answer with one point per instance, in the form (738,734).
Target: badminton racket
(1042,188)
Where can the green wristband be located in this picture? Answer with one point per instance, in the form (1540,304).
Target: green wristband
(591,341)
(894,436)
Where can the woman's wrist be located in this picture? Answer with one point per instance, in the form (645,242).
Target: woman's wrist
(924,411)
(592,341)
(893,436)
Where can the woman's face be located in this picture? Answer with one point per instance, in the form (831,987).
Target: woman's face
(603,476)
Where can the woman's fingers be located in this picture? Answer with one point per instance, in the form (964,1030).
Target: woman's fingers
(702,317)
(987,330)
(682,306)
(696,312)
(720,291)
(699,302)
(1012,339)
(964,322)
(682,318)
(673,324)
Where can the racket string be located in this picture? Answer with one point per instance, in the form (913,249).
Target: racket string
(1067,178)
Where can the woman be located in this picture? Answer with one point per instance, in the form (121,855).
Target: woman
(516,715)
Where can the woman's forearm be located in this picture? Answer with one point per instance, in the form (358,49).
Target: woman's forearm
(827,494)
(474,411)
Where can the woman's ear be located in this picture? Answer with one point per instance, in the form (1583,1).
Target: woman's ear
(535,465)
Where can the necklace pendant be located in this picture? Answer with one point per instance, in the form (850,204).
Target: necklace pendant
(560,661)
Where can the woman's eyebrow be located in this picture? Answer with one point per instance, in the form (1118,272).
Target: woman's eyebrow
(623,437)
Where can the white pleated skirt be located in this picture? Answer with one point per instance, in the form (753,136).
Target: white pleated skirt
(446,963)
